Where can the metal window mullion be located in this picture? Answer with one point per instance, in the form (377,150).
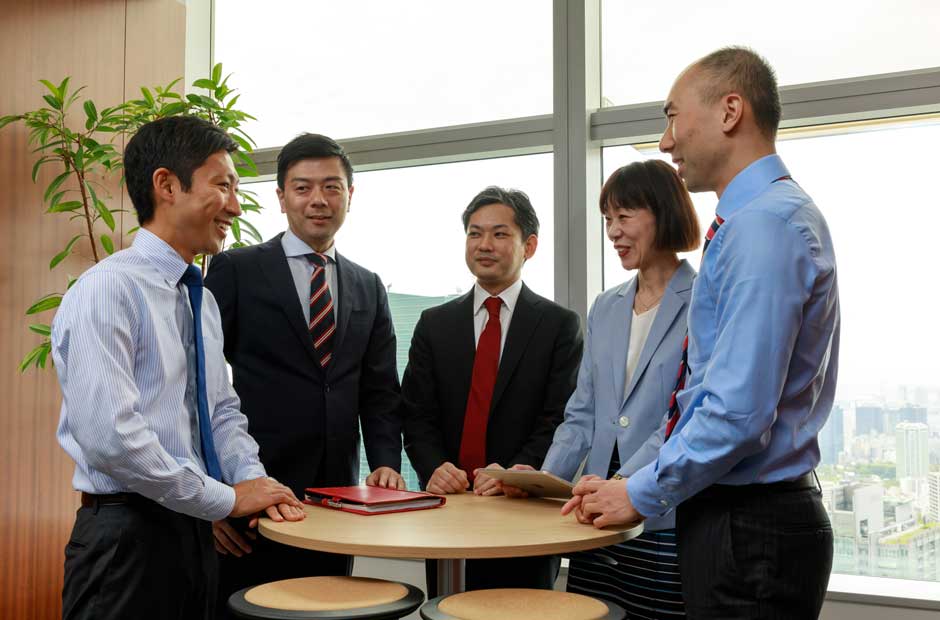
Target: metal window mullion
(577,162)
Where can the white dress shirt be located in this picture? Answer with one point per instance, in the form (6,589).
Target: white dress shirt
(301,269)
(509,297)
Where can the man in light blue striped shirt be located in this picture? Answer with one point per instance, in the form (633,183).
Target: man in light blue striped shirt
(127,359)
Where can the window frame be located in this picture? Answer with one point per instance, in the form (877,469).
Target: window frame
(576,131)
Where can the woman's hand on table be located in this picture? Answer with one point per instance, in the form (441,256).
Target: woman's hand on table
(448,478)
(484,484)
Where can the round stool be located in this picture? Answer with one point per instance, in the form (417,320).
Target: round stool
(520,604)
(327,598)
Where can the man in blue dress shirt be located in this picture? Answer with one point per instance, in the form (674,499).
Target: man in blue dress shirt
(148,414)
(763,353)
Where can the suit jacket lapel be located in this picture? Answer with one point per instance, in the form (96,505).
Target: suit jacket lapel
(525,318)
(620,335)
(346,281)
(465,344)
(669,308)
(273,264)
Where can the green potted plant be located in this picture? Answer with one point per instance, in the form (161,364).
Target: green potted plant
(90,162)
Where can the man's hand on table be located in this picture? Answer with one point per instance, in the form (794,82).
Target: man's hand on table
(448,478)
(602,502)
(387,478)
(252,497)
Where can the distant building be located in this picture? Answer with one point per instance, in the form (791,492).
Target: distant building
(933,501)
(832,437)
(869,419)
(406,310)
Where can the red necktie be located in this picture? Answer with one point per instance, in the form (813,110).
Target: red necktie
(322,324)
(684,363)
(485,366)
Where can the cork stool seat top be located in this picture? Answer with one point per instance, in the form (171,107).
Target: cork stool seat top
(519,604)
(317,598)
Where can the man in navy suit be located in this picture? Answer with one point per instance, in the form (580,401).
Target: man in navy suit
(310,339)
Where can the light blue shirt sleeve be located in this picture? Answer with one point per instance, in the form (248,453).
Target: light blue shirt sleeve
(756,291)
(95,346)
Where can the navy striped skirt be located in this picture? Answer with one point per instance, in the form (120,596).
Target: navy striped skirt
(640,575)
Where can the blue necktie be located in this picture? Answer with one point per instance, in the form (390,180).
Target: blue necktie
(193,281)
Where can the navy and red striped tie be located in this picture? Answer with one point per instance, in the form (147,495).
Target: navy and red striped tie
(322,324)
(684,364)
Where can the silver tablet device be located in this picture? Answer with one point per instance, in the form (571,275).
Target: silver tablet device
(535,483)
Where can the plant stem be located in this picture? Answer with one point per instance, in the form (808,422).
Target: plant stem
(91,235)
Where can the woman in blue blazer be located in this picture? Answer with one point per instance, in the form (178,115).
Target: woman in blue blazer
(616,416)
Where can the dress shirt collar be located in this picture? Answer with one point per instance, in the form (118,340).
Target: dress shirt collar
(509,295)
(166,260)
(750,182)
(294,246)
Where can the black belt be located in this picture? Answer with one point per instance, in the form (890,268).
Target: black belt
(91,500)
(805,482)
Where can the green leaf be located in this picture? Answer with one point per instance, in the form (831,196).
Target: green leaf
(68,205)
(46,303)
(39,163)
(64,88)
(52,88)
(236,229)
(240,141)
(107,244)
(61,256)
(132,230)
(250,229)
(41,361)
(6,120)
(54,103)
(172,109)
(32,358)
(105,214)
(91,113)
(56,182)
(217,72)
(148,97)
(41,329)
(71,282)
(204,83)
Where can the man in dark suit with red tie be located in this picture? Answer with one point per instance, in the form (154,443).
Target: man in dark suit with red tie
(489,374)
(310,339)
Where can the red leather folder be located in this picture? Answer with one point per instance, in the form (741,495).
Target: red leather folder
(364,500)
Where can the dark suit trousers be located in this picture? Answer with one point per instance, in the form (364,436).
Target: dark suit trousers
(139,560)
(757,551)
(537,572)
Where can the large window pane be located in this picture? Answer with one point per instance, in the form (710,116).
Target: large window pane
(881,447)
(405,225)
(363,67)
(645,45)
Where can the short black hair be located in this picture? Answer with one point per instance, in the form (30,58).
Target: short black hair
(311,146)
(742,70)
(654,185)
(178,143)
(523,213)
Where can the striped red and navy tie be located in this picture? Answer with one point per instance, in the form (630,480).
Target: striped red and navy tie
(684,364)
(322,324)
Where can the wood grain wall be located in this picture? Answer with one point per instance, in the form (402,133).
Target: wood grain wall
(112,47)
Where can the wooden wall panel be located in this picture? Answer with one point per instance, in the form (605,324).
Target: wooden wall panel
(111,46)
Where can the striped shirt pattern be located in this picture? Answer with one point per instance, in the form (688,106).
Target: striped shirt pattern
(122,342)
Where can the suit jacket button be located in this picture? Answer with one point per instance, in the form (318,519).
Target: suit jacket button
(624,421)
(326,388)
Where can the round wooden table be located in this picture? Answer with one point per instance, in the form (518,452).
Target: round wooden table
(466,527)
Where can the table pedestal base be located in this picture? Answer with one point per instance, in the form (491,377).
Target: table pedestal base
(450,577)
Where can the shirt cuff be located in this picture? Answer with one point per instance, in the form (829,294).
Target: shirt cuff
(645,493)
(218,500)
(249,472)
